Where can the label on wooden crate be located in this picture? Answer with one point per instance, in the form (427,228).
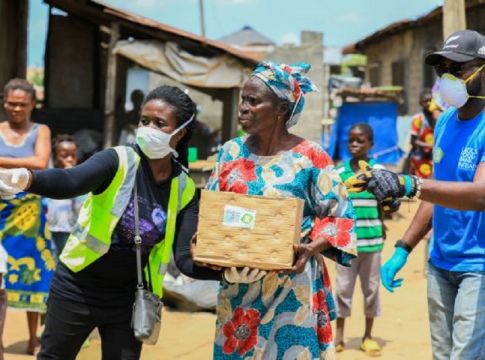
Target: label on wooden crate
(235,216)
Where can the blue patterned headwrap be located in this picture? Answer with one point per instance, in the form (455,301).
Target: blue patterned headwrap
(289,83)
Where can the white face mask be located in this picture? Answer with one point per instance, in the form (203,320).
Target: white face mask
(155,143)
(453,90)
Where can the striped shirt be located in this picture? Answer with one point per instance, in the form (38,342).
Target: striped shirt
(370,231)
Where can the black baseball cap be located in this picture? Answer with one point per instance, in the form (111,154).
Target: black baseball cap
(461,46)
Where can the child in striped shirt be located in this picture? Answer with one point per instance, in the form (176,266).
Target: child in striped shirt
(370,241)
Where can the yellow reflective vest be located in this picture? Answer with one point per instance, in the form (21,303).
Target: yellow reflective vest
(100,213)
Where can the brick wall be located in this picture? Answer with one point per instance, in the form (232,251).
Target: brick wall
(310,51)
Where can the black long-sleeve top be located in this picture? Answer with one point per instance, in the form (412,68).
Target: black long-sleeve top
(111,280)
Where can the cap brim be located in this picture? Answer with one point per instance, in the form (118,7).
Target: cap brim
(435,58)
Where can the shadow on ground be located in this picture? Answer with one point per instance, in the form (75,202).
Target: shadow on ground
(19,348)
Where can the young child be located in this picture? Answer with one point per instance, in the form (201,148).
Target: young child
(3,295)
(370,241)
(422,128)
(62,214)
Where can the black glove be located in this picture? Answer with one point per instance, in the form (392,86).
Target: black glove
(381,183)
(390,205)
(386,184)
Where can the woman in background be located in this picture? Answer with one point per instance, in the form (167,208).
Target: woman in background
(24,143)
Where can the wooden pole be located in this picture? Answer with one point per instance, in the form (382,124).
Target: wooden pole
(453,17)
(23,16)
(110,94)
(202,20)
(230,114)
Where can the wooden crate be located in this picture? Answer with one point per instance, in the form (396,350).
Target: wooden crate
(242,230)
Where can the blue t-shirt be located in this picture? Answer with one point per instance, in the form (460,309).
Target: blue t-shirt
(458,236)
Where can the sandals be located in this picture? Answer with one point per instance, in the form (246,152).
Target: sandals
(370,347)
(339,347)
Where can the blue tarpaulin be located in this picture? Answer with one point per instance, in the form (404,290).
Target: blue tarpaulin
(381,116)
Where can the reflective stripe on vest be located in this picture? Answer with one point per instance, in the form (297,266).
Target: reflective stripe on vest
(182,191)
(91,237)
(124,192)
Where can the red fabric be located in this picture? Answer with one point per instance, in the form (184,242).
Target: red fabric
(318,157)
(335,230)
(320,310)
(241,332)
(235,175)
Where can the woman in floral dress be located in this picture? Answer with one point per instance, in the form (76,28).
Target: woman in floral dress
(23,230)
(282,315)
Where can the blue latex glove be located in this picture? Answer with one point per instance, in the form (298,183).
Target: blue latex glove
(391,267)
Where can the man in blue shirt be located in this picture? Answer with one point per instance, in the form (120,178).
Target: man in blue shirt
(453,204)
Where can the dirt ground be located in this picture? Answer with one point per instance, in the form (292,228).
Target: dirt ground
(402,331)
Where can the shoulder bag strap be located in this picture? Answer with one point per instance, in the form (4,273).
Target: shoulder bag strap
(137,240)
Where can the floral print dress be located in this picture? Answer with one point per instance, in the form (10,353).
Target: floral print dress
(284,316)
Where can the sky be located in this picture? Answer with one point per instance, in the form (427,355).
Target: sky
(341,21)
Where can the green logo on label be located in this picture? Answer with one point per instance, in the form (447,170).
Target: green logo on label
(247,218)
(437,155)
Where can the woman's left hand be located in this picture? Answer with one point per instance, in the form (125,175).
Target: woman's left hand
(304,251)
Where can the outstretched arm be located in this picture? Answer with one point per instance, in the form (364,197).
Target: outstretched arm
(457,195)
(95,174)
(451,194)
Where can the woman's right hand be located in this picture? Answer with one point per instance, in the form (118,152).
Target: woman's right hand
(13,181)
(18,178)
(243,276)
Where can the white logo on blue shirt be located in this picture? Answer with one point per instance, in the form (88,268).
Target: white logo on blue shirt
(468,159)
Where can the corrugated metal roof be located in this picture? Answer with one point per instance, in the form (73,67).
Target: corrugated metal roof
(100,11)
(247,36)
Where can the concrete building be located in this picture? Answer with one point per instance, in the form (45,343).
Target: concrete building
(310,51)
(395,54)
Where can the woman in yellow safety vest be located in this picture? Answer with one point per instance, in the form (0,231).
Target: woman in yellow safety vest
(95,281)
